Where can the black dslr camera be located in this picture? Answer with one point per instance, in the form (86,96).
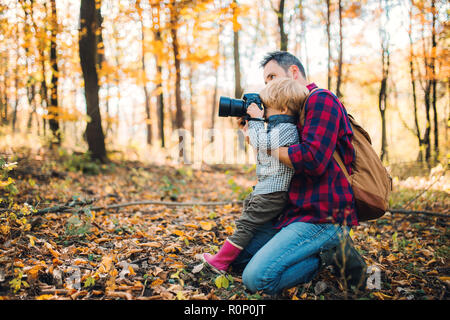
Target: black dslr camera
(229,107)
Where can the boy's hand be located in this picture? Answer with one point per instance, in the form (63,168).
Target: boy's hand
(241,123)
(254,111)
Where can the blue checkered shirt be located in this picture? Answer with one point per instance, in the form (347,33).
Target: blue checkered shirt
(281,131)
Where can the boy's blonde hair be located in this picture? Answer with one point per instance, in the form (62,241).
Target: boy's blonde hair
(284,93)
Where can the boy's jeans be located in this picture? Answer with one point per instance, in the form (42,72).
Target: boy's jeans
(279,259)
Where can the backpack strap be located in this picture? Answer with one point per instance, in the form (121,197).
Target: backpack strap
(335,153)
(303,109)
(341,164)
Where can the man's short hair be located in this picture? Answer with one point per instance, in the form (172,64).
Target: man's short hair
(284,60)
(284,93)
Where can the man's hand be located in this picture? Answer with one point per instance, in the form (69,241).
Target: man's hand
(254,111)
(282,154)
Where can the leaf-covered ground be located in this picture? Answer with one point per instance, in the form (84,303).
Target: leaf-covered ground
(149,251)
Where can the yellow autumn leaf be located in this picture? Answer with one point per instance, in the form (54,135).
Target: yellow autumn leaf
(32,239)
(157,282)
(222,282)
(191,225)
(6,183)
(45,297)
(52,251)
(391,258)
(78,262)
(381,295)
(34,271)
(351,233)
(178,233)
(180,295)
(229,229)
(130,268)
(106,263)
(152,244)
(5,229)
(207,225)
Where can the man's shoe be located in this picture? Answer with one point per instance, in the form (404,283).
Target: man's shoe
(346,262)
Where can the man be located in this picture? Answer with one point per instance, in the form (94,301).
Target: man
(313,231)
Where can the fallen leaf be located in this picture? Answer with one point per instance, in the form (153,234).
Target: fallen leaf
(153,244)
(381,295)
(391,258)
(207,225)
(119,294)
(45,297)
(198,268)
(221,282)
(156,282)
(191,225)
(106,263)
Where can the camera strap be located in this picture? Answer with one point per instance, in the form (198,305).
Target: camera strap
(256,119)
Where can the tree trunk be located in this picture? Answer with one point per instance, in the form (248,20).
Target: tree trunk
(30,82)
(117,74)
(280,20)
(382,108)
(88,59)
(144,86)
(328,45)
(426,136)
(160,95)
(191,99)
(156,28)
(16,82)
(4,91)
(413,86)
(433,80)
(16,100)
(216,86)
(53,112)
(179,117)
(302,48)
(237,65)
(214,101)
(382,96)
(31,93)
(341,38)
(427,91)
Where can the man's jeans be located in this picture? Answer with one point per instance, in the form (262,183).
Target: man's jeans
(279,259)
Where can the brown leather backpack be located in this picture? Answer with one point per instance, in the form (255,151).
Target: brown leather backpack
(370,181)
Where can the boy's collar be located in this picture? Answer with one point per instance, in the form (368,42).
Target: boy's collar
(282,118)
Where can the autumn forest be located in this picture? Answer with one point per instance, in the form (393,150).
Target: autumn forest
(116,171)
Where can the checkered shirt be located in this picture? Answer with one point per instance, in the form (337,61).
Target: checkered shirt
(319,191)
(273,176)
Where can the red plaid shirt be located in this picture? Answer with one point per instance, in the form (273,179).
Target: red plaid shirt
(319,191)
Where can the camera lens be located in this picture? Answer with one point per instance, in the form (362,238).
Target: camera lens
(224,106)
(231,107)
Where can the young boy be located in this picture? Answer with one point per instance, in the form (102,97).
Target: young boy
(282,99)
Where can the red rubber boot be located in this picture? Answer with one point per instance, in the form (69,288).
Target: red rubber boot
(222,259)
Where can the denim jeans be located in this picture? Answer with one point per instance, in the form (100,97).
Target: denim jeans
(279,259)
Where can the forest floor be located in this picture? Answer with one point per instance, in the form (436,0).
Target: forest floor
(149,251)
